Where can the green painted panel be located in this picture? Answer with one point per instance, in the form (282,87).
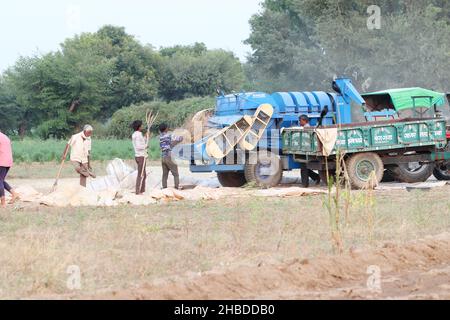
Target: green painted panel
(410,133)
(382,136)
(439,131)
(355,139)
(306,141)
(424,132)
(372,137)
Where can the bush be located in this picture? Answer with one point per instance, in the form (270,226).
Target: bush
(175,114)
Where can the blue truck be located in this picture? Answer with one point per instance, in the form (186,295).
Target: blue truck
(327,107)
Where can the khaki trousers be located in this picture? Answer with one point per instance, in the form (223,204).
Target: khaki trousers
(83,171)
(169,166)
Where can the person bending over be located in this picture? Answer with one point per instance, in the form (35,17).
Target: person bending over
(80,153)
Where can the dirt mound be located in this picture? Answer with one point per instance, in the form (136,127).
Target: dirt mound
(415,270)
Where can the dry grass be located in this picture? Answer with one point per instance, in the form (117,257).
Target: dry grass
(123,247)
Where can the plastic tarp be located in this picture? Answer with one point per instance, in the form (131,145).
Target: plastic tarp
(403,98)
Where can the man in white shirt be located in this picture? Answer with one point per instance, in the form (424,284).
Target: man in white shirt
(140,144)
(80,152)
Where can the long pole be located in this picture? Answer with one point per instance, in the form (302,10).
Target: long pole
(55,185)
(150,121)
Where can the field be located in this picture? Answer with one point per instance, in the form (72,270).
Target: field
(33,150)
(212,249)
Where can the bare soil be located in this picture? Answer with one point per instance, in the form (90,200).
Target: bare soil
(417,270)
(233,248)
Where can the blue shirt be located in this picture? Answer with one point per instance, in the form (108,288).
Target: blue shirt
(166,142)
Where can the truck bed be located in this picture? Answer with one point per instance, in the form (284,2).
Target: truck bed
(369,137)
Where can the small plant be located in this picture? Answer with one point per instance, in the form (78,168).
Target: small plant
(369,206)
(338,200)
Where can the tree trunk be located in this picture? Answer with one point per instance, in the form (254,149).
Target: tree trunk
(22,130)
(73,107)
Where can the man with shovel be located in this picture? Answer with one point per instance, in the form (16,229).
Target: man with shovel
(80,145)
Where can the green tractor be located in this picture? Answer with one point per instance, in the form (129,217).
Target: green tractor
(411,103)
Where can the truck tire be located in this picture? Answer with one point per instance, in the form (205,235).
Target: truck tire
(360,167)
(231,179)
(266,162)
(409,173)
(441,173)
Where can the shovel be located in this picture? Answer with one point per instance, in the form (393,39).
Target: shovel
(55,185)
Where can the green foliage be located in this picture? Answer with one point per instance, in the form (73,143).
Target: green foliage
(9,110)
(194,71)
(174,113)
(95,74)
(196,50)
(302,44)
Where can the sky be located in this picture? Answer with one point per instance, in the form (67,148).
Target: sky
(38,27)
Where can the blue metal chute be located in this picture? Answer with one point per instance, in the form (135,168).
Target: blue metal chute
(348,91)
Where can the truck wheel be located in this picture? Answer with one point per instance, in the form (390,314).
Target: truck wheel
(231,179)
(413,172)
(360,167)
(267,172)
(441,173)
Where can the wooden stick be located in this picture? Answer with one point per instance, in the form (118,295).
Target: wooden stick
(150,122)
(55,185)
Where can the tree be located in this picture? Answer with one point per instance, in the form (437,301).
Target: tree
(195,71)
(136,69)
(95,74)
(92,76)
(303,44)
(9,110)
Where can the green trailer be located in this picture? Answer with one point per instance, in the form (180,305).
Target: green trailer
(368,147)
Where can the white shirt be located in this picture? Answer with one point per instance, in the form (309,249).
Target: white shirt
(140,144)
(80,148)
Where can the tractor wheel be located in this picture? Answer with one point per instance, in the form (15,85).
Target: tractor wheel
(267,172)
(231,179)
(360,167)
(413,172)
(441,173)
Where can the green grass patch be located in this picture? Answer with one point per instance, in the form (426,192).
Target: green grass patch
(34,150)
